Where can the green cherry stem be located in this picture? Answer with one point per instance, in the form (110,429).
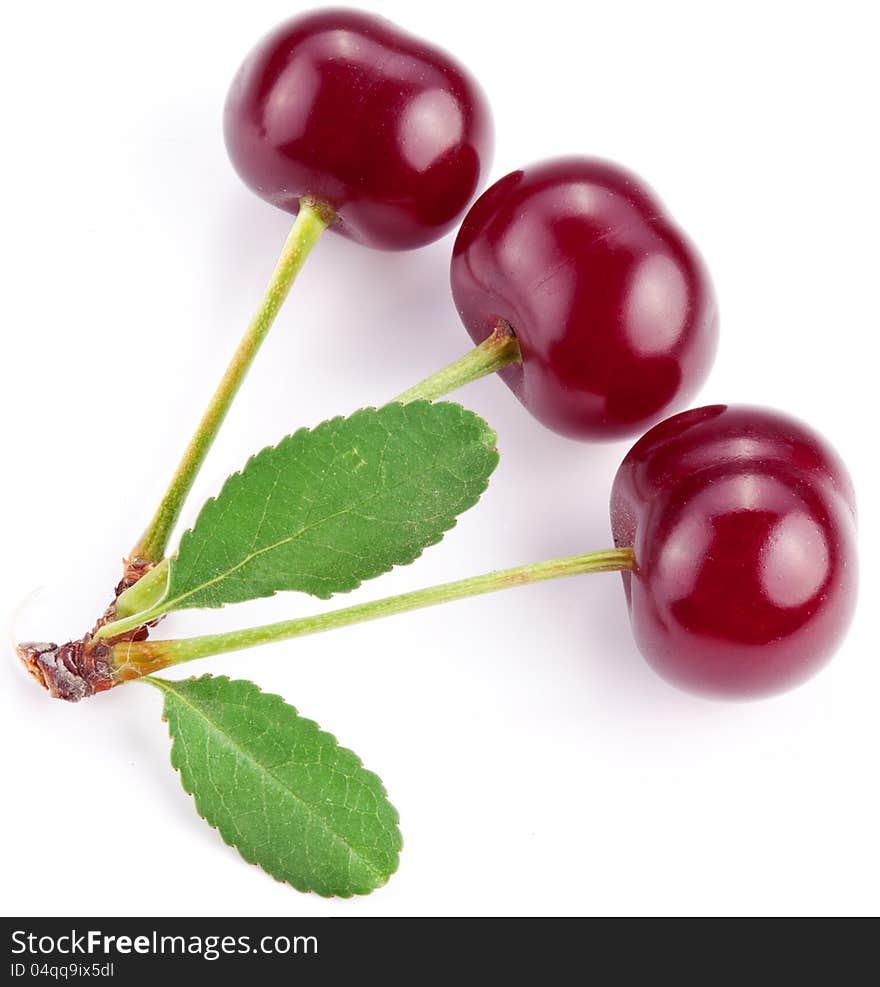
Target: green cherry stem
(132,659)
(498,350)
(311,221)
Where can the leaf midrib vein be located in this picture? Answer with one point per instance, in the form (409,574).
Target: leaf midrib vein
(349,509)
(309,810)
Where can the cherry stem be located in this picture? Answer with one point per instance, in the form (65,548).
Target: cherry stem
(311,221)
(133,659)
(497,351)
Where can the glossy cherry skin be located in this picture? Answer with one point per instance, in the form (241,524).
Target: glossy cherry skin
(346,108)
(742,523)
(612,306)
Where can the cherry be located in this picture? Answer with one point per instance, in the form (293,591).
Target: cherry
(345,108)
(742,523)
(612,306)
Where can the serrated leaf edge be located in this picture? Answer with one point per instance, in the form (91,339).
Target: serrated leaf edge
(491,436)
(155,680)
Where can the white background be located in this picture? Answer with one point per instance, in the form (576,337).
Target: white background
(538,765)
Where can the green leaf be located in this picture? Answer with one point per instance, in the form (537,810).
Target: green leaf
(328,508)
(279,789)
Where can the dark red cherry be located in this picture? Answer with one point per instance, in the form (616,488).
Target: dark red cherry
(346,108)
(612,306)
(742,523)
